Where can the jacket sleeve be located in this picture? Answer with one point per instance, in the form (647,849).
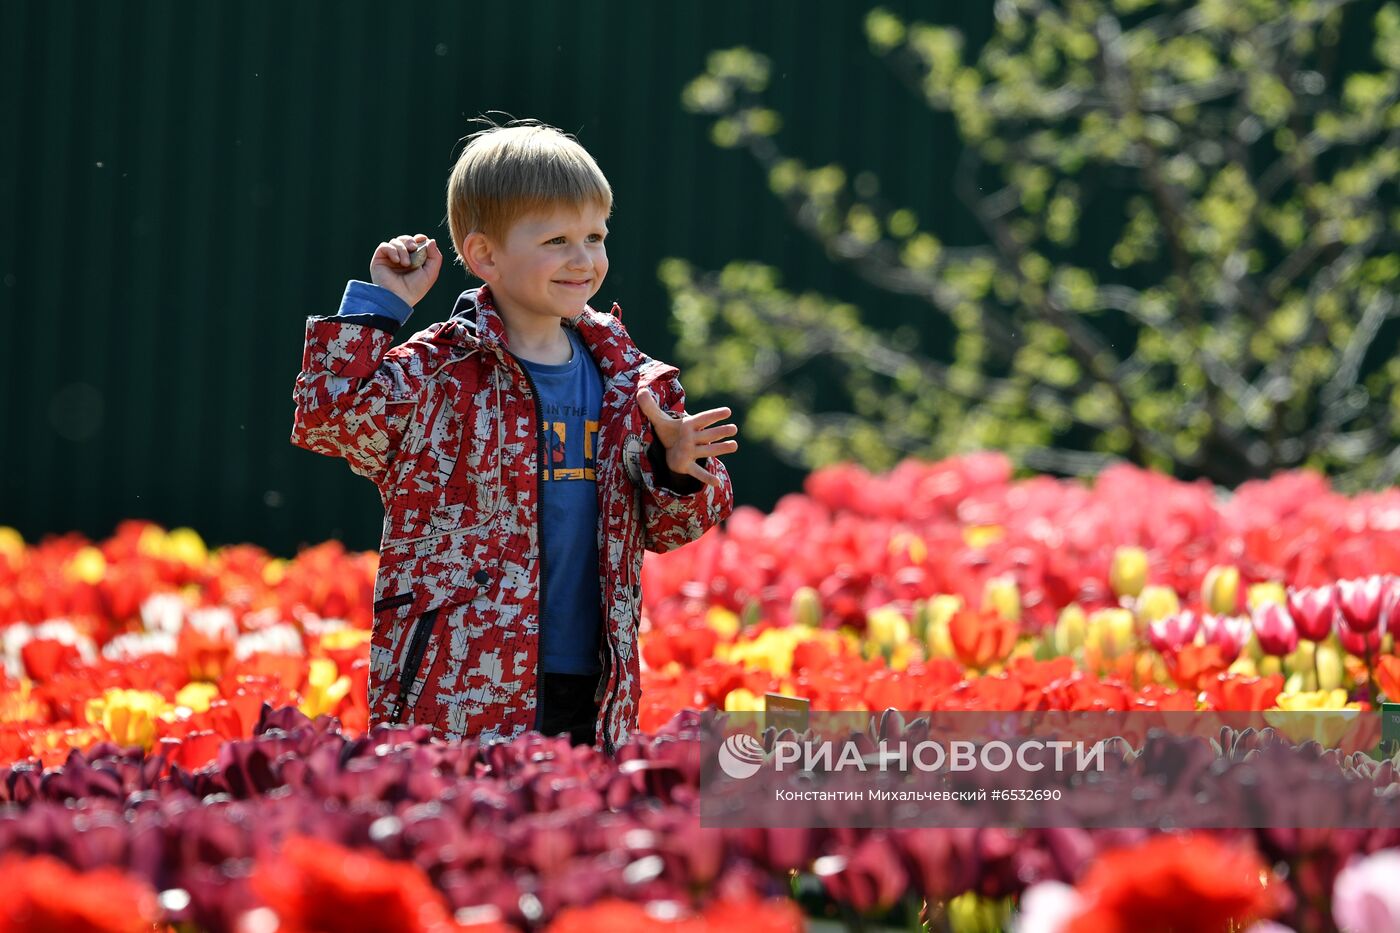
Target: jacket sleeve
(677,509)
(353,398)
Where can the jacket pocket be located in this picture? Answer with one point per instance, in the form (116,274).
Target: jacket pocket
(411,670)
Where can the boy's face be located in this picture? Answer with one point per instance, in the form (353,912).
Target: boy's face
(549,263)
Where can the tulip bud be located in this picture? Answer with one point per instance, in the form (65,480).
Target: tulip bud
(1110,632)
(1262,594)
(1171,633)
(1275,629)
(742,700)
(1229,633)
(11,541)
(1360,602)
(1220,590)
(1313,610)
(1128,573)
(1002,596)
(1070,629)
(807,607)
(1330,671)
(886,627)
(940,610)
(1156,602)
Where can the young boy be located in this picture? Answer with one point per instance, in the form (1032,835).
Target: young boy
(525,450)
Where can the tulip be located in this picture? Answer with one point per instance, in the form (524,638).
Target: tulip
(1002,596)
(1275,629)
(1220,590)
(807,607)
(1365,896)
(1262,594)
(1110,632)
(1156,602)
(129,716)
(1359,644)
(980,639)
(1169,634)
(324,688)
(1313,610)
(1360,602)
(938,613)
(886,628)
(1330,670)
(1128,573)
(1071,629)
(1230,633)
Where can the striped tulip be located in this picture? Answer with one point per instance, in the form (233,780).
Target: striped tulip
(1274,626)
(1360,602)
(1313,610)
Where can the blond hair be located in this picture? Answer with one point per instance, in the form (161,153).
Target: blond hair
(508,172)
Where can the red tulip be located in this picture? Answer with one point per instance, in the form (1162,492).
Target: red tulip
(1313,610)
(1361,601)
(1360,644)
(1274,626)
(981,638)
(42,893)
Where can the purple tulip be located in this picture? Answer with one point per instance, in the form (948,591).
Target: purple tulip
(1274,626)
(1313,610)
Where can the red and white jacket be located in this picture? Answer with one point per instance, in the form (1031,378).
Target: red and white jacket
(447,426)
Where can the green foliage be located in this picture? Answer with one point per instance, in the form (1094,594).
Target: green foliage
(1248,176)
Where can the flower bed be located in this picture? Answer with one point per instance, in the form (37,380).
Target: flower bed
(187,728)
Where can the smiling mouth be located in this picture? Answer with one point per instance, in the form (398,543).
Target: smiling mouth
(577,283)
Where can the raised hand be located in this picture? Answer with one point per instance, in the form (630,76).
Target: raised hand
(689,439)
(392,266)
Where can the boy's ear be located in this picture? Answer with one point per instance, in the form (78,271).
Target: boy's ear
(480,257)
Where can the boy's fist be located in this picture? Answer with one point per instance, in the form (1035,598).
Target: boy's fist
(393,267)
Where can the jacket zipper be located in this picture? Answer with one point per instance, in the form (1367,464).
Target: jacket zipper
(539,522)
(413,659)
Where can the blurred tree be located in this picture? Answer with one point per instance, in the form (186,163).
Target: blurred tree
(1249,178)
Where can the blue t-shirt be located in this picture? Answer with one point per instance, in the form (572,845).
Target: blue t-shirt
(571,399)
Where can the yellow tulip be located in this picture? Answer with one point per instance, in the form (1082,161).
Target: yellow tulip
(979,536)
(1002,596)
(1156,602)
(886,627)
(1110,632)
(196,696)
(1071,629)
(87,565)
(723,621)
(1330,672)
(1264,594)
(344,638)
(743,700)
(11,541)
(324,689)
(128,716)
(274,571)
(972,913)
(939,611)
(1322,716)
(186,546)
(1220,589)
(1128,572)
(807,607)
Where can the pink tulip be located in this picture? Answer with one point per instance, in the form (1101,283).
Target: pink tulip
(1359,643)
(1361,601)
(1365,896)
(1230,633)
(1274,626)
(1313,610)
(1170,633)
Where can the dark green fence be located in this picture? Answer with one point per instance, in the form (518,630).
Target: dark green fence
(183,182)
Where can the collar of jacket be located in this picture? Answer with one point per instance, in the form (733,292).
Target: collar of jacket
(475,322)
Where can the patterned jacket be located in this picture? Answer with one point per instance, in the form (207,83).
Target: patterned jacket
(447,426)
